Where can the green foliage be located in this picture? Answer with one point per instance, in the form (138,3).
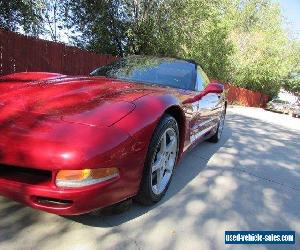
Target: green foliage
(205,36)
(123,27)
(51,16)
(20,13)
(291,81)
(35,18)
(98,23)
(293,84)
(260,60)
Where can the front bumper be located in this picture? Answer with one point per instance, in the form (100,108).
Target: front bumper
(56,146)
(49,198)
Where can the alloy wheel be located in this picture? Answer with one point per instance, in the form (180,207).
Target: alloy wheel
(164,161)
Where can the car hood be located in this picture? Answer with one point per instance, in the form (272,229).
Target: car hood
(94,101)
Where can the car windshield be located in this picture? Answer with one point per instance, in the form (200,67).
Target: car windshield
(151,70)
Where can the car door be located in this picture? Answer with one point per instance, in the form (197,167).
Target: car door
(207,109)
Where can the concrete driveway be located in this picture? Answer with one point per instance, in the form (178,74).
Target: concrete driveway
(248,181)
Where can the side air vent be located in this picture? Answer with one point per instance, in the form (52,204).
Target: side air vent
(25,175)
(51,202)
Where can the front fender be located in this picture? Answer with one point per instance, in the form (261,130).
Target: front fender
(147,114)
(141,123)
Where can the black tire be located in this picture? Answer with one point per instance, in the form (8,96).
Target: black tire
(146,196)
(216,136)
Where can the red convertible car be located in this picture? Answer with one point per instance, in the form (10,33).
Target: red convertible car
(70,145)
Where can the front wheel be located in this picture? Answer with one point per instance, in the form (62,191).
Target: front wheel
(160,161)
(217,136)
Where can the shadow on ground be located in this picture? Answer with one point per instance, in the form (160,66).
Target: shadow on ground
(249,181)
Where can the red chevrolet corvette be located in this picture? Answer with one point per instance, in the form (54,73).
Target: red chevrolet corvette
(70,145)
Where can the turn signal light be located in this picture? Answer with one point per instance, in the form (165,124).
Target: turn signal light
(84,177)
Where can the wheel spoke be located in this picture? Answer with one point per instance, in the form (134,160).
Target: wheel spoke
(159,176)
(170,164)
(158,163)
(171,146)
(163,143)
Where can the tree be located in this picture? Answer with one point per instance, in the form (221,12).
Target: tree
(204,34)
(20,14)
(123,27)
(51,16)
(260,60)
(291,82)
(152,28)
(98,23)
(36,18)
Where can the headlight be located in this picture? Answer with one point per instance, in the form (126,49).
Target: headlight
(84,177)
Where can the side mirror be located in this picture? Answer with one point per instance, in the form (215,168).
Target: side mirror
(212,87)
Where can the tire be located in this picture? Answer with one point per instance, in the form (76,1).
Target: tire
(163,158)
(217,136)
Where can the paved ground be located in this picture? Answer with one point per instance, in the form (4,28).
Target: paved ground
(249,181)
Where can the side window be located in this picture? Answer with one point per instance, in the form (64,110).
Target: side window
(201,80)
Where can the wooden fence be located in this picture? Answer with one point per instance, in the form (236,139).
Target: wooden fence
(245,97)
(19,53)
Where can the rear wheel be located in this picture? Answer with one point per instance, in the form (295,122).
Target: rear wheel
(160,161)
(217,136)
